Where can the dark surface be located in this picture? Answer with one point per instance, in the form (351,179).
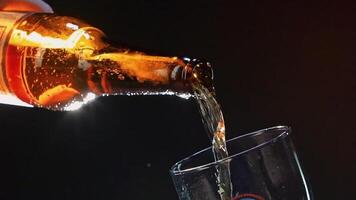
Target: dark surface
(276,62)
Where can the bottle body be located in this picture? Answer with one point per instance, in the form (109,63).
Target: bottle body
(8,22)
(60,63)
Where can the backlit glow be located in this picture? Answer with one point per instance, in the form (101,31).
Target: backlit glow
(12,100)
(75,105)
(166,92)
(22,38)
(72,26)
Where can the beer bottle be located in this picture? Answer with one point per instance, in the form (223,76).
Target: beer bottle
(60,63)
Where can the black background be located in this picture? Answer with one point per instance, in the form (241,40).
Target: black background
(275,62)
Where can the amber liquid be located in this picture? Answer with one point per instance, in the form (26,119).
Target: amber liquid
(214,124)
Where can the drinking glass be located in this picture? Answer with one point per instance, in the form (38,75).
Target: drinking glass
(263,166)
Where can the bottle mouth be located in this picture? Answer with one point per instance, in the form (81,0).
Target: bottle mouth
(199,72)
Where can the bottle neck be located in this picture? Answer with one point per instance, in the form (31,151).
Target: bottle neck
(134,73)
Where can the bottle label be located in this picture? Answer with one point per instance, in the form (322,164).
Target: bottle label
(7,23)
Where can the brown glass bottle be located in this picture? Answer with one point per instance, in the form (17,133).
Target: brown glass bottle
(60,63)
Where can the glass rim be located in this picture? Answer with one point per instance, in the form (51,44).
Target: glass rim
(284,131)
